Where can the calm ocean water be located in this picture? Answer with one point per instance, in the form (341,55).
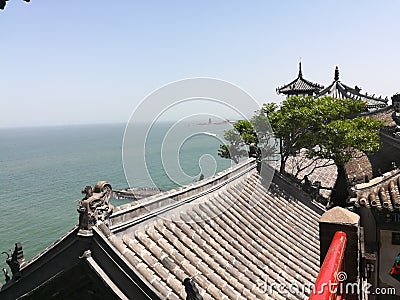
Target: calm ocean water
(43,170)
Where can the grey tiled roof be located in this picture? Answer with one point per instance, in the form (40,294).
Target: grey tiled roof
(385,115)
(381,193)
(228,246)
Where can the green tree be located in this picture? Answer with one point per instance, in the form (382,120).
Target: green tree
(343,136)
(257,131)
(246,131)
(234,149)
(327,127)
(241,135)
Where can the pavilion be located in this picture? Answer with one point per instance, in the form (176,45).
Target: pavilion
(337,89)
(300,86)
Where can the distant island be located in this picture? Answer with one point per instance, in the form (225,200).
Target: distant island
(210,122)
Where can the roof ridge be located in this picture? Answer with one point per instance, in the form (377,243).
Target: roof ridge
(381,192)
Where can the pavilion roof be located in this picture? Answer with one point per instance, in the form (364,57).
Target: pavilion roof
(299,85)
(337,89)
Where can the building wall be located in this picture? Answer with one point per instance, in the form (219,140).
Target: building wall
(369,224)
(383,159)
(388,253)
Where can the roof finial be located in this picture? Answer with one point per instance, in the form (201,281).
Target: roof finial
(336,73)
(300,73)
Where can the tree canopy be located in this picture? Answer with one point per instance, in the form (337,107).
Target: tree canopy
(241,135)
(328,128)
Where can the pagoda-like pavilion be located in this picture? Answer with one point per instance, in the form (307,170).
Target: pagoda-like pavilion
(337,89)
(300,86)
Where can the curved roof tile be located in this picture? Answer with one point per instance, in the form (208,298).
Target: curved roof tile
(381,193)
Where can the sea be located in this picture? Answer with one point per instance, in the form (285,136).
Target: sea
(44,169)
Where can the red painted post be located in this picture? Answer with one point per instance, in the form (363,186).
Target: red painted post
(327,283)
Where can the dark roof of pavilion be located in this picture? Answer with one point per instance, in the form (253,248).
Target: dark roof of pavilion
(299,85)
(337,89)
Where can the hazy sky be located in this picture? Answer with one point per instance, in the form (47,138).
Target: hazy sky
(72,62)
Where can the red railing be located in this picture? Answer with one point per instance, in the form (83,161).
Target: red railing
(326,285)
